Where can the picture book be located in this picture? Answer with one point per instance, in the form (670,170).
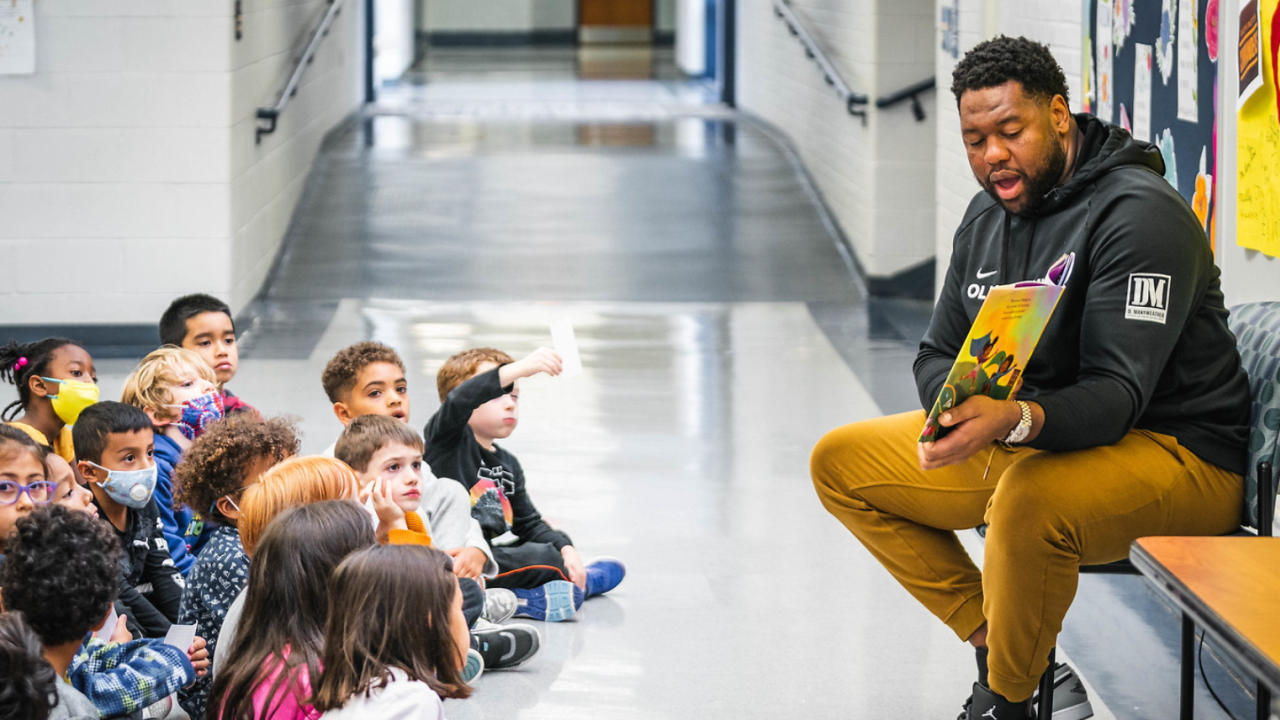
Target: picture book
(1000,343)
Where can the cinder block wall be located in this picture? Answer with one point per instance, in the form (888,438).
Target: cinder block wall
(128,168)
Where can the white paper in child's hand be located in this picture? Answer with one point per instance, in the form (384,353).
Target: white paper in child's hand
(567,345)
(109,626)
(181,636)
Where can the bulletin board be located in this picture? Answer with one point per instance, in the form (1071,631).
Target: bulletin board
(1258,132)
(1150,66)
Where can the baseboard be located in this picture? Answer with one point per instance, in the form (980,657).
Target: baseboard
(664,38)
(914,282)
(102,341)
(501,39)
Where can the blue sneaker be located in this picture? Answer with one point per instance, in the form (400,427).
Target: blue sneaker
(603,575)
(553,602)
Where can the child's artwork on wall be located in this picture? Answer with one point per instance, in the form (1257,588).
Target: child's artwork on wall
(1258,132)
(1151,69)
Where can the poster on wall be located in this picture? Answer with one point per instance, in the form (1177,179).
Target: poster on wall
(17,37)
(1153,72)
(1258,140)
(1249,65)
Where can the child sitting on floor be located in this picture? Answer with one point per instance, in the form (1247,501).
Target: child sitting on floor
(177,389)
(366,378)
(56,381)
(217,467)
(277,644)
(114,444)
(386,451)
(479,394)
(203,323)
(395,639)
(24,480)
(62,575)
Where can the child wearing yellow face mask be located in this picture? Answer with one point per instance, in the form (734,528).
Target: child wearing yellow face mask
(56,381)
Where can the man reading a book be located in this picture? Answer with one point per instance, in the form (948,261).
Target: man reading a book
(1131,416)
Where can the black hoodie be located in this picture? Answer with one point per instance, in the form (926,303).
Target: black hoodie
(1139,338)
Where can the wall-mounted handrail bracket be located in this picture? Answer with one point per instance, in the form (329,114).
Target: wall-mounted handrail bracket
(268,116)
(910,92)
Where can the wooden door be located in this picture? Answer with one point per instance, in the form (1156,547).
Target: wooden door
(615,21)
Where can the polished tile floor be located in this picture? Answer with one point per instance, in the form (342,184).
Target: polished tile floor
(495,192)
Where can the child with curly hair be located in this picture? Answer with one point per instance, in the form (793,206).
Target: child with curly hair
(62,573)
(213,474)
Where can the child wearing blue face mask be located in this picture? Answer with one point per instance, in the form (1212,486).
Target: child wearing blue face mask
(56,381)
(178,390)
(114,446)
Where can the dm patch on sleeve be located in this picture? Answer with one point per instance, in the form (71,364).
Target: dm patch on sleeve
(1148,297)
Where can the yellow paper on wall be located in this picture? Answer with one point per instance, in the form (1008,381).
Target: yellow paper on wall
(1258,152)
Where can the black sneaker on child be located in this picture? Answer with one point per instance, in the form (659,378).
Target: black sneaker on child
(986,704)
(504,646)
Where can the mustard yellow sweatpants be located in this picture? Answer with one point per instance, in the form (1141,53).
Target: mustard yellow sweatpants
(1047,512)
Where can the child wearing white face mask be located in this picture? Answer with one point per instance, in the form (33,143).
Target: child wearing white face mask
(114,447)
(177,389)
(212,477)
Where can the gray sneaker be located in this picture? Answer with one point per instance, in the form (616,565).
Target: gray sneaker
(474,667)
(499,605)
(1070,700)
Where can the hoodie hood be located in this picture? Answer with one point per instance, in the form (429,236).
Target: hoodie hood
(1105,148)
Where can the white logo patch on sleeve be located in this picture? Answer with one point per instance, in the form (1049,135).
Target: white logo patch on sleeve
(1148,297)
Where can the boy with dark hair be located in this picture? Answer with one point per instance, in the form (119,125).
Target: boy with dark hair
(366,378)
(114,449)
(478,394)
(203,323)
(215,470)
(61,574)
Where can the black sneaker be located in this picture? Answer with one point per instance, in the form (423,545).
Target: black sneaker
(1070,700)
(504,646)
(985,704)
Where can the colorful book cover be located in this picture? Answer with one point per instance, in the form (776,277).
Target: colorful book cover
(1000,343)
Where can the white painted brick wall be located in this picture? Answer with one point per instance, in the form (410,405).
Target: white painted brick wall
(1056,23)
(878,179)
(128,169)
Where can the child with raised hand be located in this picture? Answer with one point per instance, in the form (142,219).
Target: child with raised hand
(217,467)
(388,453)
(395,640)
(114,442)
(203,323)
(56,382)
(61,574)
(479,405)
(277,645)
(30,684)
(177,389)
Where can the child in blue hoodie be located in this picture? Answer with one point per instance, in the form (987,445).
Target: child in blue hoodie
(178,390)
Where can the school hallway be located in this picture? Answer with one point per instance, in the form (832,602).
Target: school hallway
(722,332)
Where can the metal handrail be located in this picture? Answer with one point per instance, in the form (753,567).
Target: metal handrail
(913,93)
(271,114)
(853,102)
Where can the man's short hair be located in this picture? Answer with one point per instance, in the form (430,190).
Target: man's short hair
(339,376)
(173,323)
(994,62)
(459,368)
(99,420)
(62,570)
(368,434)
(148,386)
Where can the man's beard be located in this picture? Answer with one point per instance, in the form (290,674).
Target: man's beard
(1036,186)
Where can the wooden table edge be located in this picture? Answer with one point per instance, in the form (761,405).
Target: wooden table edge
(1229,638)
